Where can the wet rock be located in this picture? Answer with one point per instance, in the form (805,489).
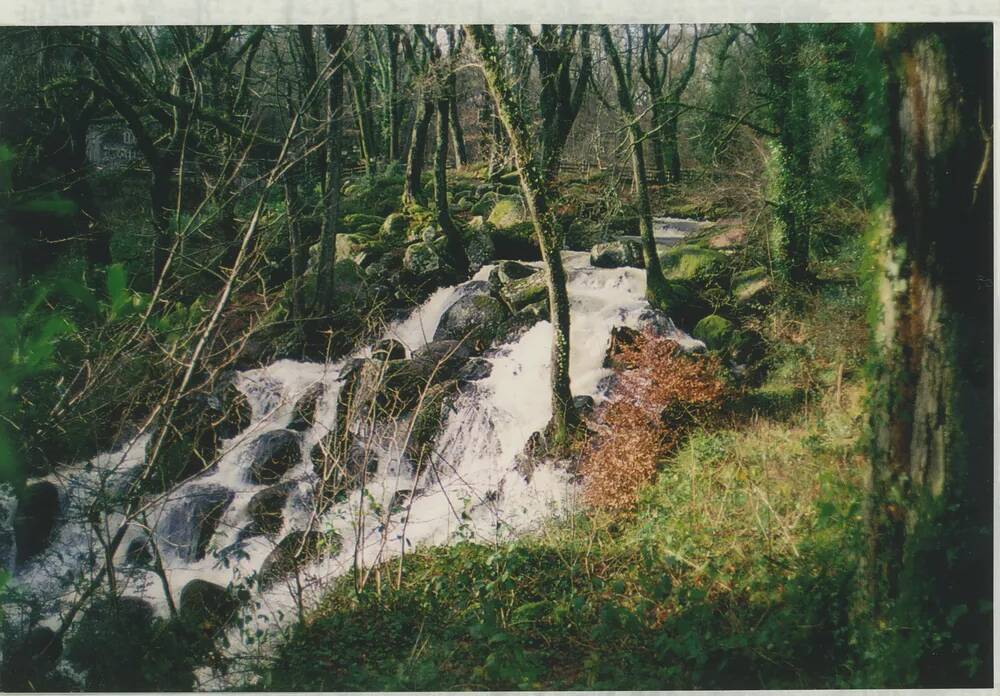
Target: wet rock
(446,355)
(521,292)
(304,411)
(516,242)
(401,499)
(29,659)
(475,369)
(621,337)
(232,412)
(266,509)
(37,514)
(524,462)
(139,552)
(584,404)
(476,318)
(617,254)
(207,605)
(388,349)
(295,551)
(188,526)
(427,421)
(271,455)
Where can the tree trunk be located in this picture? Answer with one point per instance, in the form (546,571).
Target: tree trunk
(656,284)
(533,186)
(456,250)
(293,207)
(659,148)
(458,137)
(930,510)
(366,134)
(671,155)
(412,186)
(334,37)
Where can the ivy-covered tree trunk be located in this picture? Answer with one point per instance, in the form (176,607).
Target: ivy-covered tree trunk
(656,284)
(533,186)
(930,513)
(791,152)
(334,38)
(456,250)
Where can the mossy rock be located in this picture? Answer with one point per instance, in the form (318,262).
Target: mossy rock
(271,455)
(266,508)
(352,246)
(518,293)
(618,254)
(479,246)
(517,242)
(394,225)
(422,260)
(716,332)
(356,220)
(304,411)
(508,212)
(690,262)
(427,422)
(752,286)
(476,319)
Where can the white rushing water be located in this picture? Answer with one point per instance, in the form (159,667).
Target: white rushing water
(471,488)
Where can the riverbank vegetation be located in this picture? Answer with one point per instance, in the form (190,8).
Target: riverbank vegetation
(804,502)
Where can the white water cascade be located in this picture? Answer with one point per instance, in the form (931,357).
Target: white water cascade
(473,489)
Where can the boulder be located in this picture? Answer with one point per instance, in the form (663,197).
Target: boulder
(618,254)
(752,287)
(427,421)
(37,514)
(690,262)
(269,456)
(509,271)
(474,370)
(428,234)
(352,246)
(507,212)
(389,349)
(304,411)
(478,247)
(394,225)
(521,292)
(206,605)
(295,551)
(421,260)
(187,527)
(476,318)
(266,509)
(716,332)
(516,242)
(584,404)
(485,204)
(340,462)
(231,410)
(445,355)
(139,552)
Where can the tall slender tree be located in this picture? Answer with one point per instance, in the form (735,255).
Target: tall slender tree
(534,187)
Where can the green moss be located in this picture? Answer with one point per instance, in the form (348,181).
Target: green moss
(507,213)
(716,332)
(690,262)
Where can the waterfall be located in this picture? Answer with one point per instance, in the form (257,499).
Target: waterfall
(472,485)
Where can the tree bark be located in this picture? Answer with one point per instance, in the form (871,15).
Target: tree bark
(930,509)
(656,284)
(334,37)
(412,185)
(456,250)
(533,186)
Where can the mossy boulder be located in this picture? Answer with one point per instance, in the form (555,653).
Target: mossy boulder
(516,242)
(716,332)
(508,212)
(37,514)
(618,254)
(479,246)
(353,246)
(752,287)
(422,260)
(690,262)
(394,225)
(521,292)
(475,318)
